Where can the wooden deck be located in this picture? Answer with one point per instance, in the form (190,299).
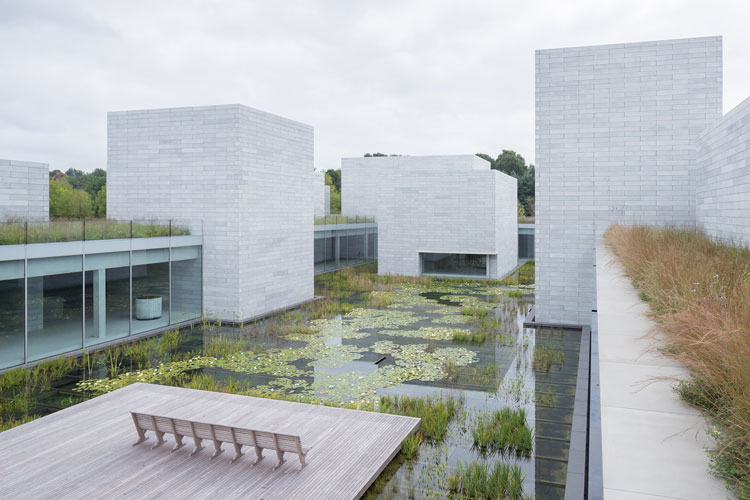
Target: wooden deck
(86,451)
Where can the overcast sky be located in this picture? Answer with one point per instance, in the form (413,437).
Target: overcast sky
(408,77)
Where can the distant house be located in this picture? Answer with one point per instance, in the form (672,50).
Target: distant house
(59,176)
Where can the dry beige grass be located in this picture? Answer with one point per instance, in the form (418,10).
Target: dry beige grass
(699,293)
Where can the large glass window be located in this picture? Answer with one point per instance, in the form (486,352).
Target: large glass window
(186,283)
(454,264)
(107,297)
(352,250)
(320,254)
(55,305)
(526,246)
(11,313)
(150,289)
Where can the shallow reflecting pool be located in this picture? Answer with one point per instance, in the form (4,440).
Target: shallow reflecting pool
(436,339)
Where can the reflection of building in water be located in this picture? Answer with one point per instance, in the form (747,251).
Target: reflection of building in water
(555,389)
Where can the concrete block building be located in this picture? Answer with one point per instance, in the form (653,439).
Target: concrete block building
(245,174)
(617,131)
(24,192)
(436,215)
(723,177)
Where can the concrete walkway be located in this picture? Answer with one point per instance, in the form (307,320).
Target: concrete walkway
(653,445)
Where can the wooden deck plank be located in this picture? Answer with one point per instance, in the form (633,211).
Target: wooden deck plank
(85,451)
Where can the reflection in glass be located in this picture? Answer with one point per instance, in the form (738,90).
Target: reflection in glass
(525,245)
(11,313)
(55,305)
(454,264)
(150,289)
(107,297)
(186,283)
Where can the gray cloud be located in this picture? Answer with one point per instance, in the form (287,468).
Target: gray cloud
(409,77)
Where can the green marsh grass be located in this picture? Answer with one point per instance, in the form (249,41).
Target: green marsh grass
(481,481)
(477,337)
(379,300)
(435,412)
(410,446)
(545,357)
(504,431)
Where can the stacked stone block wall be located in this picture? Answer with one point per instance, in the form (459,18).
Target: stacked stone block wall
(24,192)
(432,204)
(616,129)
(723,172)
(245,174)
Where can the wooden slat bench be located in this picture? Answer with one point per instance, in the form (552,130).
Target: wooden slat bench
(218,434)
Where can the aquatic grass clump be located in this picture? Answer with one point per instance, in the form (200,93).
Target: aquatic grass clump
(509,281)
(221,346)
(546,357)
(9,423)
(410,446)
(477,337)
(700,299)
(475,312)
(515,294)
(480,481)
(380,300)
(504,431)
(13,378)
(325,309)
(435,412)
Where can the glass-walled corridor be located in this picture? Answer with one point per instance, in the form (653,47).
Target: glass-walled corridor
(344,242)
(54,304)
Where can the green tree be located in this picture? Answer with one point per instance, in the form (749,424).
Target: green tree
(513,164)
(100,202)
(335,201)
(335,176)
(66,201)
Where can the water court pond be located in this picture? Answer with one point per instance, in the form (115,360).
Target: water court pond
(497,399)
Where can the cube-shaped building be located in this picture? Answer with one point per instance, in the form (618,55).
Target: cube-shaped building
(437,215)
(245,174)
(616,142)
(24,193)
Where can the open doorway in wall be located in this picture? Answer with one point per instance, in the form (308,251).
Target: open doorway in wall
(454,265)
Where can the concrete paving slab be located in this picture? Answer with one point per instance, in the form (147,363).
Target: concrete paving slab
(653,445)
(641,387)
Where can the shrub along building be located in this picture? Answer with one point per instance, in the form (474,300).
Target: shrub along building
(245,174)
(436,215)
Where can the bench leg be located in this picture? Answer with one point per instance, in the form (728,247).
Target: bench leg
(198,446)
(159,439)
(217,449)
(280,456)
(178,443)
(237,452)
(141,437)
(301,461)
(258,455)
(141,433)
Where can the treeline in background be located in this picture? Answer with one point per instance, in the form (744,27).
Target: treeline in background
(75,194)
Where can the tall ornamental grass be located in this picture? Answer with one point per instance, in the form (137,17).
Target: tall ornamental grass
(699,294)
